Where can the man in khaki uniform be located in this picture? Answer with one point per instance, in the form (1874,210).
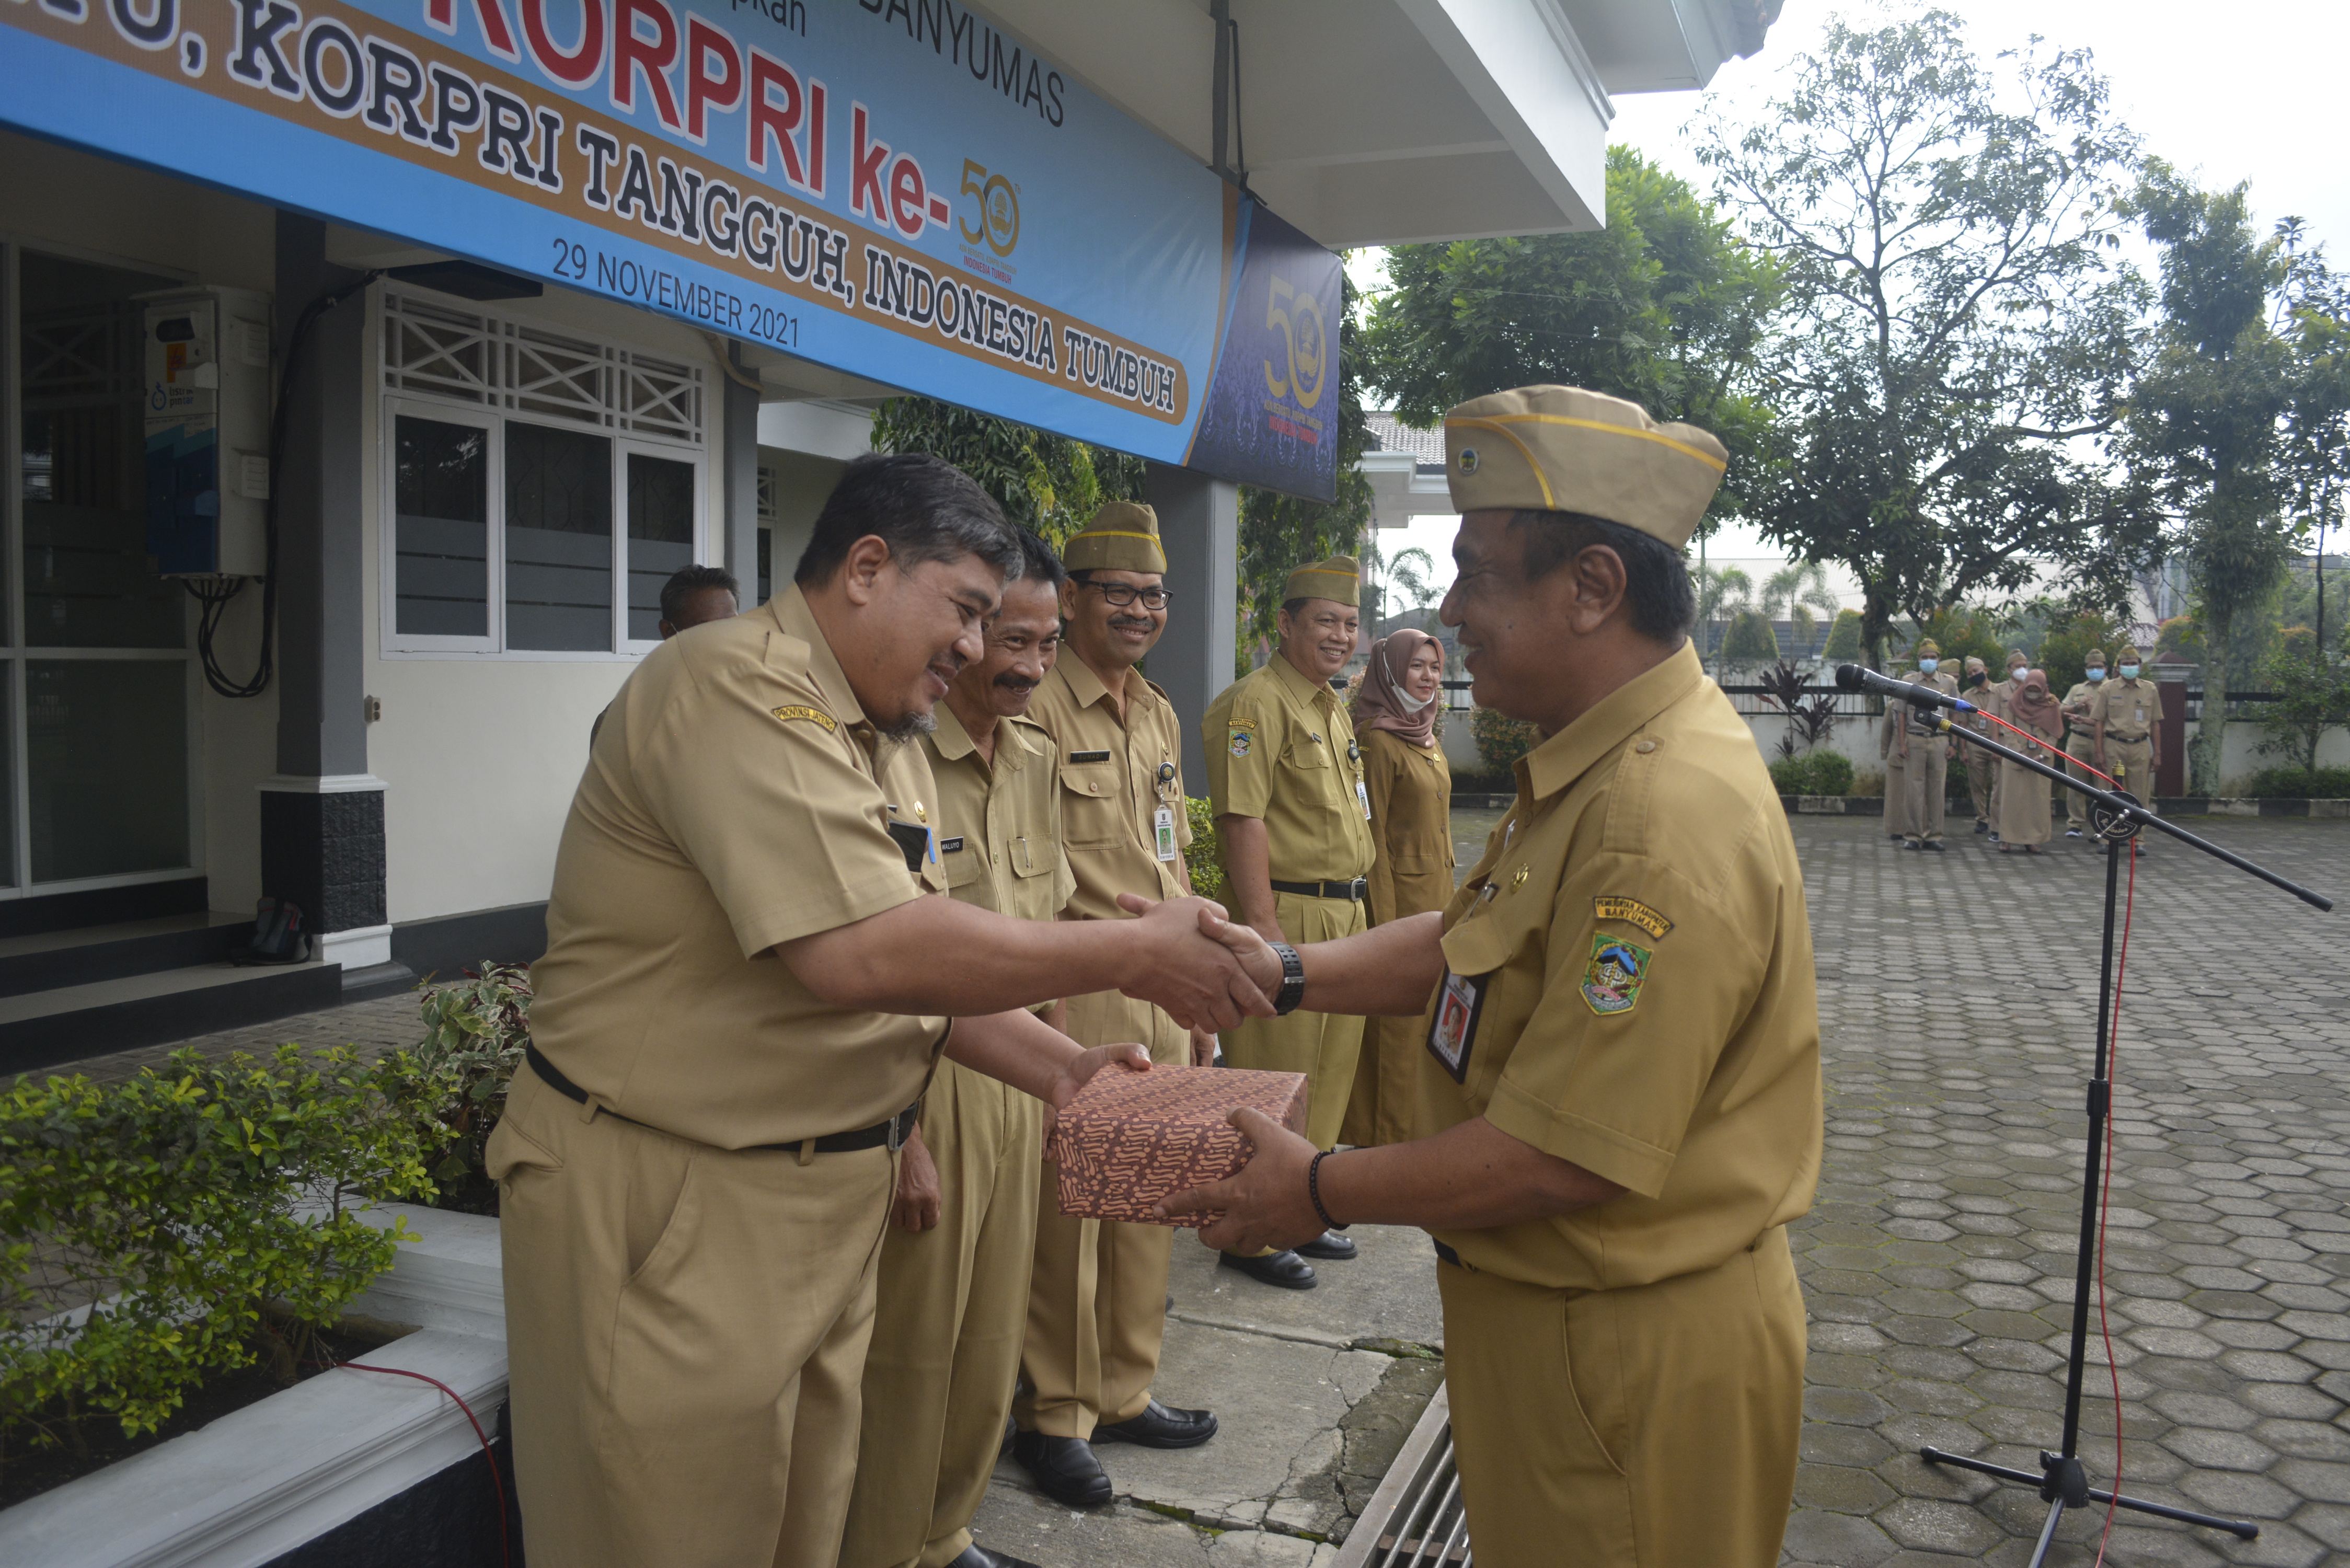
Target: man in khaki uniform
(1285,777)
(1619,1097)
(1892,748)
(2127,719)
(953,1293)
(2081,739)
(1982,766)
(1097,1299)
(743,995)
(1926,759)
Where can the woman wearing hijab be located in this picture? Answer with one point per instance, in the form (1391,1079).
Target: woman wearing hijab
(1395,708)
(2023,816)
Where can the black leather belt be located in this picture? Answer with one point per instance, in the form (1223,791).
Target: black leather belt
(1354,890)
(891,1134)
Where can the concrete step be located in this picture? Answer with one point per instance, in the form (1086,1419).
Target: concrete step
(113,952)
(69,1022)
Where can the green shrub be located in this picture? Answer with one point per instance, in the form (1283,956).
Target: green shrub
(179,1204)
(2300,784)
(1751,639)
(1501,739)
(1844,639)
(473,1038)
(1812,773)
(1205,856)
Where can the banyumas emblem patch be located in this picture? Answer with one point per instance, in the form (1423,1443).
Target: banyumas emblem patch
(1615,906)
(811,715)
(1244,738)
(1612,981)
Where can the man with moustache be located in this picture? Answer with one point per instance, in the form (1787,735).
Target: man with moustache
(953,1286)
(1619,1099)
(1097,1301)
(743,993)
(1286,775)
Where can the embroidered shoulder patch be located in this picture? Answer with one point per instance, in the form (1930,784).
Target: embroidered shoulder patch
(813,716)
(1242,735)
(1614,907)
(1612,981)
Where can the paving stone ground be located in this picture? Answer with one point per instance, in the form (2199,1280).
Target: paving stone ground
(1957,996)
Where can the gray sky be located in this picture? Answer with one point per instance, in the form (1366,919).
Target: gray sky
(2234,93)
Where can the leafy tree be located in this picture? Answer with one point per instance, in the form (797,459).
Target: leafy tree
(1962,634)
(2207,416)
(1665,307)
(1844,639)
(1954,325)
(1722,592)
(2064,652)
(2311,695)
(2317,424)
(1751,639)
(1049,482)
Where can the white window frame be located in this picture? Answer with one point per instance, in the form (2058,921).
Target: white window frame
(492,408)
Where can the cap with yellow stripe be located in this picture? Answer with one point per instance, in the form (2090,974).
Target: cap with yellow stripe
(1339,579)
(1562,449)
(1122,537)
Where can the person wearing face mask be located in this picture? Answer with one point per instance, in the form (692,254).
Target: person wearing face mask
(1995,703)
(1395,710)
(1892,746)
(2080,740)
(1926,760)
(2127,720)
(2025,821)
(1982,769)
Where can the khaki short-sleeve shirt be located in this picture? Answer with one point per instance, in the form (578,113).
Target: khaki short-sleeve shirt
(1629,987)
(1115,777)
(1000,823)
(735,797)
(1281,748)
(2129,709)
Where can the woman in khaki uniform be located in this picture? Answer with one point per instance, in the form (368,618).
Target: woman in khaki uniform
(1395,714)
(2025,821)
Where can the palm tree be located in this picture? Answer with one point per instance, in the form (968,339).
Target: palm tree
(1795,592)
(1722,593)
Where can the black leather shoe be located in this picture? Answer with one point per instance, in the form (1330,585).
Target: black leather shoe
(1982,827)
(977,1556)
(1063,1469)
(1160,1427)
(1287,1269)
(1935,845)
(1329,1245)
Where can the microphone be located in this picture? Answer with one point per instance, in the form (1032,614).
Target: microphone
(1853,678)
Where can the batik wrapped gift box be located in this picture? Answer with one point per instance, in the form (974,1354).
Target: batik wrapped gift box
(1129,1139)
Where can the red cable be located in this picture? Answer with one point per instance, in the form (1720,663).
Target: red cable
(497,1482)
(2044,746)
(2105,1194)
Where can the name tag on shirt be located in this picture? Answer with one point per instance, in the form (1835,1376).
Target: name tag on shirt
(1162,826)
(1454,1028)
(1089,756)
(951,846)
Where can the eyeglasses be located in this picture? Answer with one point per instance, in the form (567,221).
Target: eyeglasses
(1124,594)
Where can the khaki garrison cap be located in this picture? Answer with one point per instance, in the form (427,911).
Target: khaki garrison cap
(1562,449)
(1929,649)
(2095,656)
(2129,650)
(1122,537)
(1339,579)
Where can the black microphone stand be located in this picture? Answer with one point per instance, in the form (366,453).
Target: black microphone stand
(2118,817)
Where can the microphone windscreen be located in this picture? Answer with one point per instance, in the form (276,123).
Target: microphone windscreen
(1848,677)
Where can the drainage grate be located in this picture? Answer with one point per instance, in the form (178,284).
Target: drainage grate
(1415,1520)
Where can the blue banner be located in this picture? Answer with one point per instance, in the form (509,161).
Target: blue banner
(896,188)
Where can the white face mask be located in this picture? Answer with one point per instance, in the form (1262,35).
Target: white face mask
(2016,674)
(2129,671)
(1927,666)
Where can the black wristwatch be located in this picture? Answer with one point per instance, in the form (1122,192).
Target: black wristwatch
(1293,980)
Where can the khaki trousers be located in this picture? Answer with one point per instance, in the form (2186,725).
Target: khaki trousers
(1648,1427)
(1325,1046)
(685,1327)
(2080,748)
(1097,1295)
(1928,782)
(1982,769)
(952,1306)
(1897,798)
(2132,762)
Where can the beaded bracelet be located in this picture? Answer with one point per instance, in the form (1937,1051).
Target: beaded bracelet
(1314,1190)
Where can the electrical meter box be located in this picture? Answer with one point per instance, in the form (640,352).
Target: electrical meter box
(206,395)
